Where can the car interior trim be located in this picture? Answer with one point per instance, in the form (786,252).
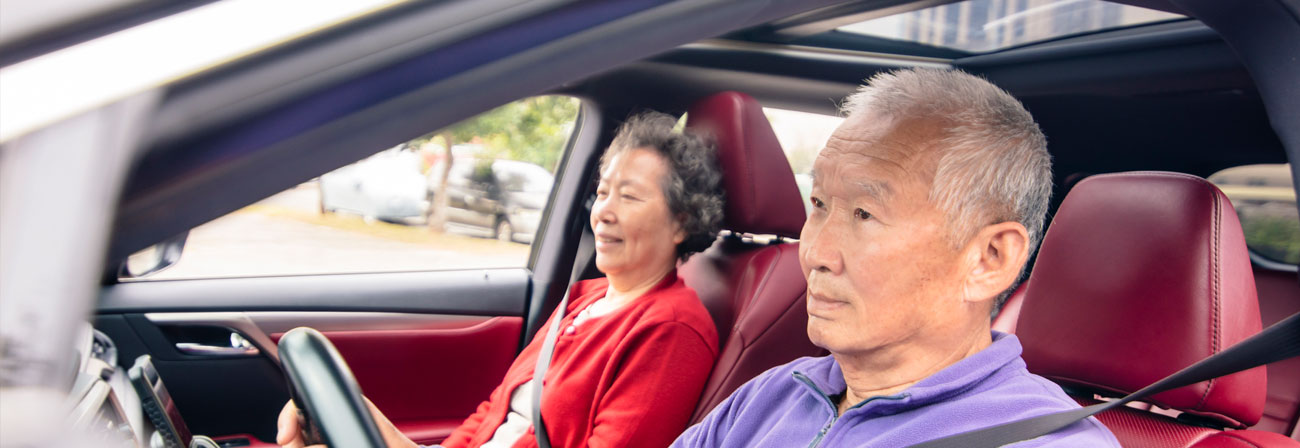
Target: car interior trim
(235,321)
(273,322)
(486,292)
(834,54)
(331,57)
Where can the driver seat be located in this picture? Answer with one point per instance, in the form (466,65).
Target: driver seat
(1128,290)
(754,290)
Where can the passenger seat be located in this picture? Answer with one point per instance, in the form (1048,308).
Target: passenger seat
(754,290)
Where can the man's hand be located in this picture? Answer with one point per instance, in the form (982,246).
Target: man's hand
(289,434)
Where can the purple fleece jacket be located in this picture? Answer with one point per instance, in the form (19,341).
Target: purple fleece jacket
(793,406)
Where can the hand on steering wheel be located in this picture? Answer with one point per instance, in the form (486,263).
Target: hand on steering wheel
(327,397)
(289,432)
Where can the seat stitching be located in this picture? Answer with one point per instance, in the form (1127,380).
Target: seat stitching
(1215,266)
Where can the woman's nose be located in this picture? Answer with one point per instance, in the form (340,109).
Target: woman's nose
(604,211)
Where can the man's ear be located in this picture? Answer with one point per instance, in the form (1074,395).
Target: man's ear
(996,255)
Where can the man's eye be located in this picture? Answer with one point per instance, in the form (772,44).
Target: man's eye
(861,214)
(817,203)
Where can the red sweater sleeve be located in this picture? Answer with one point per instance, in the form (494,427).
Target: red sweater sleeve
(657,387)
(465,432)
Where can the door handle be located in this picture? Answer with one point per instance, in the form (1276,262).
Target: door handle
(238,347)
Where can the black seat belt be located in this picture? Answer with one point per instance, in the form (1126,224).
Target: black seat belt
(586,250)
(1277,342)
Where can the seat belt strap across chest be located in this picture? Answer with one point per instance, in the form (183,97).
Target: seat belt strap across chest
(539,373)
(1277,342)
(586,251)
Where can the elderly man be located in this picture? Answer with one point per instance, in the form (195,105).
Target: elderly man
(927,202)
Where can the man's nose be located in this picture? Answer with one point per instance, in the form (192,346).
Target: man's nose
(821,248)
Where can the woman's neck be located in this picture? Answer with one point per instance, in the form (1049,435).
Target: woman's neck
(623,288)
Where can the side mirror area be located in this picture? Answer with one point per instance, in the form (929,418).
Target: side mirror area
(154,258)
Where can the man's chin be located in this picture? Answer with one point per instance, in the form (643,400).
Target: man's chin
(819,333)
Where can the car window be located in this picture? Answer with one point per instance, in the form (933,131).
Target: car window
(802,136)
(414,206)
(1265,199)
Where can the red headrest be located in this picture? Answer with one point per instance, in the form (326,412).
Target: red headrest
(762,196)
(1140,275)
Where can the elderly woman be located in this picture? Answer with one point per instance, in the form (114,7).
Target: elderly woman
(637,345)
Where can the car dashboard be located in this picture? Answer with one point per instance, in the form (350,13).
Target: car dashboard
(115,407)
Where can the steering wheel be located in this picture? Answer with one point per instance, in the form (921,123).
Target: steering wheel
(329,402)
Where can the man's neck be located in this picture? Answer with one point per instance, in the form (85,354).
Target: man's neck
(890,370)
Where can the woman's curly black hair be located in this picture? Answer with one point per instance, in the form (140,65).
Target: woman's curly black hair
(693,185)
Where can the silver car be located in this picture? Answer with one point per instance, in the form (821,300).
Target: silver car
(386,186)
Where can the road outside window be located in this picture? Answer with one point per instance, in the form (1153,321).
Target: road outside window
(1265,199)
(470,196)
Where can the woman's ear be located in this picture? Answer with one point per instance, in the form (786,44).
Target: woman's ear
(998,252)
(679,231)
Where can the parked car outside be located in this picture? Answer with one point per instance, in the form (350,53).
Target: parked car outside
(386,186)
(503,197)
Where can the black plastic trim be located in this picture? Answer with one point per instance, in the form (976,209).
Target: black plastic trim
(489,292)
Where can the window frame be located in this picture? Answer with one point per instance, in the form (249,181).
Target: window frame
(528,262)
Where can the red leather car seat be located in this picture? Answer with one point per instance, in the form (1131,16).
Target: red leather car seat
(754,291)
(1279,297)
(1140,275)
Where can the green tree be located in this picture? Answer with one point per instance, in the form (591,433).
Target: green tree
(1275,237)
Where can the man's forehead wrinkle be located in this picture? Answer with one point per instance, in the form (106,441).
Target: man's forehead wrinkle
(852,155)
(855,174)
(879,189)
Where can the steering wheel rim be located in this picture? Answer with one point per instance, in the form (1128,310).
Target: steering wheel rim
(324,390)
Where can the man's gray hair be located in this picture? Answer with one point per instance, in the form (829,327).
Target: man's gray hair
(693,184)
(993,164)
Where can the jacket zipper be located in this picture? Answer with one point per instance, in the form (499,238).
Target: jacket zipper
(835,411)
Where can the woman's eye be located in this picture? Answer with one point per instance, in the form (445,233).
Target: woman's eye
(631,198)
(817,203)
(861,214)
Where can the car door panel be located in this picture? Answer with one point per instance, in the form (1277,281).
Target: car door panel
(394,364)
(426,347)
(216,396)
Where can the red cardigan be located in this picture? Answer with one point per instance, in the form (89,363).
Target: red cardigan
(630,378)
